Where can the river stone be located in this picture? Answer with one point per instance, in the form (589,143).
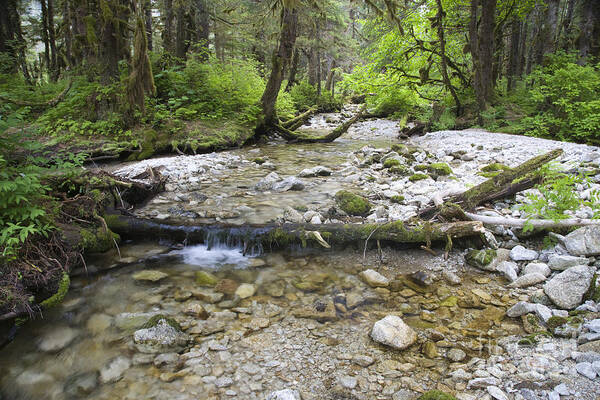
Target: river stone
(161,338)
(374,278)
(57,338)
(456,355)
(289,214)
(583,241)
(130,321)
(267,182)
(528,280)
(149,275)
(559,262)
(508,269)
(593,325)
(204,278)
(537,268)
(285,394)
(289,183)
(349,382)
(497,393)
(567,289)
(245,290)
(34,379)
(482,259)
(392,331)
(586,369)
(521,308)
(81,385)
(315,171)
(98,323)
(113,371)
(520,253)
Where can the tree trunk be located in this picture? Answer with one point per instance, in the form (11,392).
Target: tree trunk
(44,34)
(202,28)
(141,80)
(167,34)
(330,74)
(312,67)
(148,23)
(443,64)
(567,26)
(319,73)
(513,56)
(12,44)
(281,58)
(181,37)
(589,43)
(293,70)
(54,66)
(552,26)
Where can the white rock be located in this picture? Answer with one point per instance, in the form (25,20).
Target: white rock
(520,253)
(537,268)
(497,393)
(392,331)
(544,313)
(586,369)
(285,394)
(566,289)
(245,290)
(521,308)
(57,338)
(349,382)
(374,278)
(528,280)
(583,241)
(114,370)
(593,325)
(508,269)
(558,262)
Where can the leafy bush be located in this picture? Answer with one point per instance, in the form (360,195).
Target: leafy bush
(305,96)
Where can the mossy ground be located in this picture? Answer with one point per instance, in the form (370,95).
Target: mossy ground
(391,162)
(418,177)
(436,395)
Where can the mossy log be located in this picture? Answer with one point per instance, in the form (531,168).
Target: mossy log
(296,122)
(500,186)
(282,235)
(330,137)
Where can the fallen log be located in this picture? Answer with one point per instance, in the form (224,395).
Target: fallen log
(296,122)
(534,223)
(502,185)
(282,235)
(330,137)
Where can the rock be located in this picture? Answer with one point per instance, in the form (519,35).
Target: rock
(98,323)
(583,241)
(81,385)
(196,310)
(285,394)
(114,370)
(590,347)
(315,171)
(316,220)
(227,286)
(267,182)
(558,262)
(160,338)
(544,313)
(166,359)
(433,395)
(520,253)
(131,321)
(567,289)
(245,290)
(537,268)
(456,355)
(451,277)
(392,331)
(528,280)
(348,382)
(593,325)
(34,379)
(363,360)
(289,183)
(521,308)
(482,259)
(497,393)
(289,214)
(149,275)
(586,369)
(352,204)
(482,383)
(223,382)
(430,350)
(374,278)
(508,269)
(57,338)
(204,278)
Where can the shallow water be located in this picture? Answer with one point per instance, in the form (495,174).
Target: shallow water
(262,334)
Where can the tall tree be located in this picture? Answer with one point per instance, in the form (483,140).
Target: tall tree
(589,38)
(12,44)
(481,40)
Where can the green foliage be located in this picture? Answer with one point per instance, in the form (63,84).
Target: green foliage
(305,96)
(558,197)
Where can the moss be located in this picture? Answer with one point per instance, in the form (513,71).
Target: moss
(399,170)
(494,167)
(593,292)
(420,167)
(489,174)
(279,237)
(480,258)
(152,322)
(440,169)
(418,177)
(259,160)
(554,322)
(114,223)
(397,199)
(56,298)
(399,148)
(531,340)
(204,278)
(436,395)
(352,204)
(391,162)
(98,241)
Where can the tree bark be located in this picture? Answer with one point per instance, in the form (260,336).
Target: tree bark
(12,43)
(292,124)
(589,43)
(148,23)
(44,34)
(481,39)
(54,66)
(181,33)
(202,28)
(513,56)
(281,58)
(167,34)
(443,63)
(293,70)
(330,74)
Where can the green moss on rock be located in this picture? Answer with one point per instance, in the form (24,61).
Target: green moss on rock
(259,160)
(399,170)
(555,321)
(56,298)
(440,169)
(391,162)
(397,199)
(204,278)
(494,167)
(352,204)
(152,322)
(418,177)
(98,241)
(436,395)
(480,258)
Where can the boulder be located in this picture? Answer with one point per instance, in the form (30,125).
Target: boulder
(528,280)
(289,214)
(537,268)
(508,269)
(267,182)
(315,171)
(289,183)
(520,253)
(374,278)
(392,331)
(567,289)
(521,308)
(559,262)
(583,241)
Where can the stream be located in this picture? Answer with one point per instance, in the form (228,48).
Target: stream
(296,323)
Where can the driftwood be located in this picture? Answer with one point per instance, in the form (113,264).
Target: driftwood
(296,122)
(535,223)
(281,235)
(49,103)
(330,137)
(502,185)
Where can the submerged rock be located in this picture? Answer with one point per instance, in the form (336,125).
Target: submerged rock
(204,278)
(57,338)
(161,338)
(567,289)
(289,183)
(81,385)
(374,278)
(149,275)
(267,182)
(392,331)
(114,370)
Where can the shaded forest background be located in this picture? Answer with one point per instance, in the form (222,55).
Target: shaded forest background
(91,80)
